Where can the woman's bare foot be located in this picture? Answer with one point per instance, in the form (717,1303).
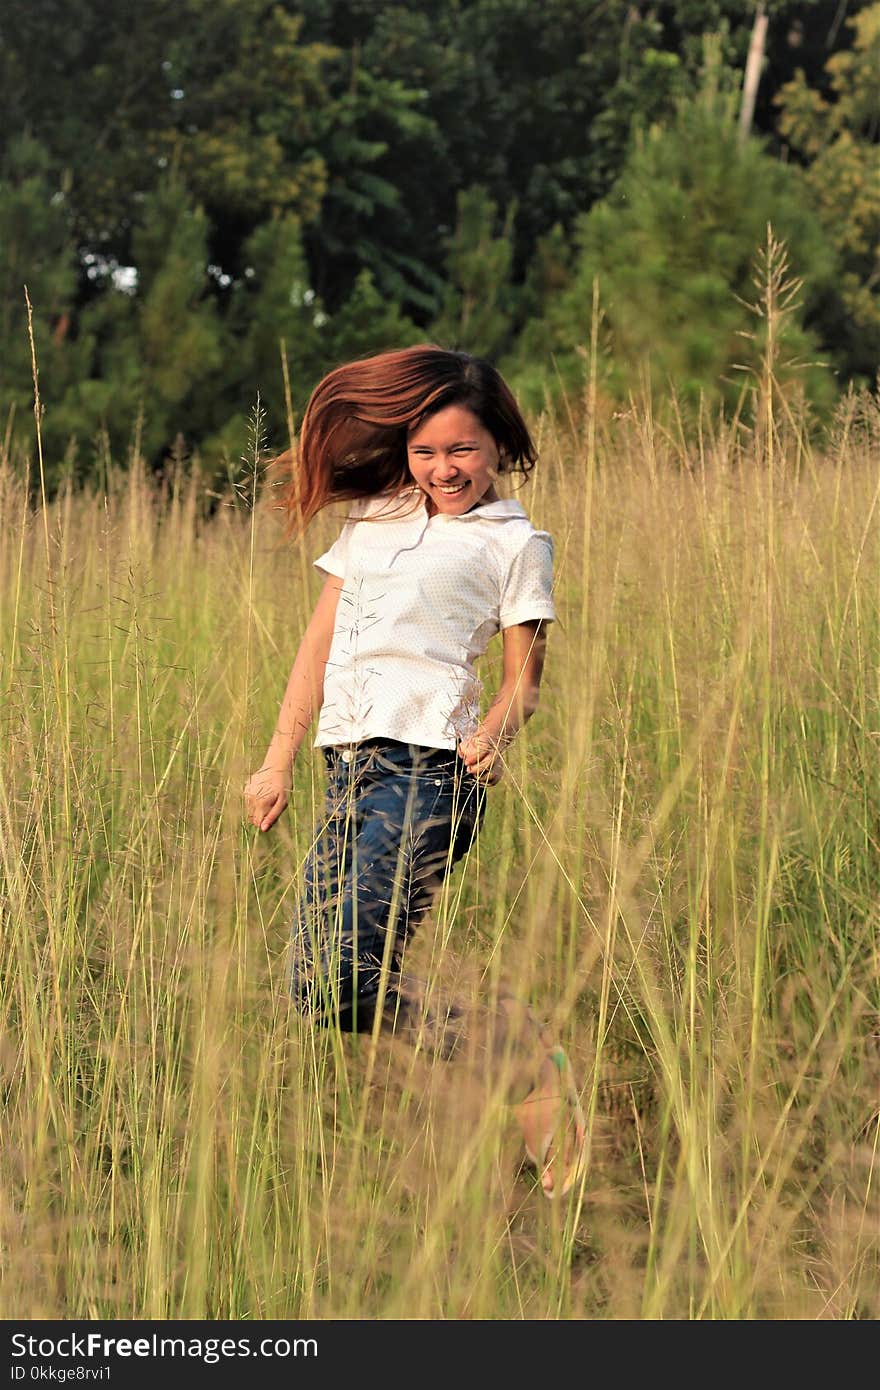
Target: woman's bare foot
(550,1117)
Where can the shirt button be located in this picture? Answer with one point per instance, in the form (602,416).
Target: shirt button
(346,755)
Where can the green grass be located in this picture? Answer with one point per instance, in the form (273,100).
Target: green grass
(681,870)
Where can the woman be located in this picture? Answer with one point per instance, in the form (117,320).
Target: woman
(430,564)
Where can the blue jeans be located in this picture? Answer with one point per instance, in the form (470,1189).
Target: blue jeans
(397,818)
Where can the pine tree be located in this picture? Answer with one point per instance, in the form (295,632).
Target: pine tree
(478,307)
(673,250)
(837,137)
(36,251)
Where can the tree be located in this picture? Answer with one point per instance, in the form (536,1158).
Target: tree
(36,250)
(86,79)
(477,312)
(274,312)
(532,103)
(838,138)
(156,346)
(673,249)
(325,144)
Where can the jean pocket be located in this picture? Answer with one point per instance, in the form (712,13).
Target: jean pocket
(461,803)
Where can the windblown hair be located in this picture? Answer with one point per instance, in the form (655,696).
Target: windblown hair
(355,427)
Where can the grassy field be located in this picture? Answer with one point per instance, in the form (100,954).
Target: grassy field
(681,871)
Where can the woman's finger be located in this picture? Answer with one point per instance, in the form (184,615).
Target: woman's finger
(257,808)
(488,774)
(274,811)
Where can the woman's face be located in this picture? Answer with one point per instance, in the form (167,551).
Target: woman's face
(454,460)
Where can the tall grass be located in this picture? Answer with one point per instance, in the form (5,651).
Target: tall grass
(681,870)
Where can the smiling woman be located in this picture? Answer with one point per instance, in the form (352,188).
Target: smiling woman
(361,417)
(430,565)
(454,460)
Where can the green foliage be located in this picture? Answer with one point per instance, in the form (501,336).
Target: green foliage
(87,79)
(478,305)
(367,322)
(673,249)
(35,251)
(531,103)
(248,107)
(154,348)
(275,313)
(276,319)
(273,303)
(172,173)
(268,121)
(177,323)
(838,138)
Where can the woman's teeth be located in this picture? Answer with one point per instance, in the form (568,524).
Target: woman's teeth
(451,491)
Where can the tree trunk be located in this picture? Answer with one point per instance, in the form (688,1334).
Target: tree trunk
(753,72)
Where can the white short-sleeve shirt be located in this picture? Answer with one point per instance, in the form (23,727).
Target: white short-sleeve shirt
(422,597)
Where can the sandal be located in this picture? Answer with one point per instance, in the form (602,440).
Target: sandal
(569,1117)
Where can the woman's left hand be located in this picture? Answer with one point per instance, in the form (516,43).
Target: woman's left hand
(481,755)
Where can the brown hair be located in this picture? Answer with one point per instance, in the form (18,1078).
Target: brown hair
(355,427)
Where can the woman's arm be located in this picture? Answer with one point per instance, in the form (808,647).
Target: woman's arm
(525,647)
(266,792)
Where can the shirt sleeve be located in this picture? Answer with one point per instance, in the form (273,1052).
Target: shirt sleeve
(527,589)
(335,560)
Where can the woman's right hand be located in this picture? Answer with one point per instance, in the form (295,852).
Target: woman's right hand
(482,756)
(266,794)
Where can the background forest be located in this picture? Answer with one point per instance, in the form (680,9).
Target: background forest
(196,190)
